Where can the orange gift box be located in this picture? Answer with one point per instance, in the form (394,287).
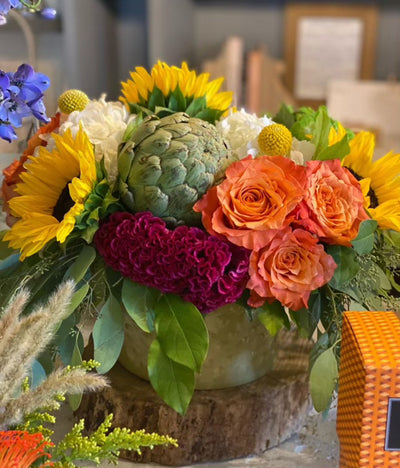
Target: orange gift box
(368,418)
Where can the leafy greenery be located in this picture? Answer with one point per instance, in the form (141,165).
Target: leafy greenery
(103,444)
(314,125)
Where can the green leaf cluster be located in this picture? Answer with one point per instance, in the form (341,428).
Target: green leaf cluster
(314,125)
(176,101)
(180,345)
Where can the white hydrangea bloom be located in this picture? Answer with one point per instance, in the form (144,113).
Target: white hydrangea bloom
(302,151)
(105,123)
(241,130)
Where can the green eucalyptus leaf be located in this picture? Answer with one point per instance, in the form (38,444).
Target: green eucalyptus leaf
(273,317)
(72,340)
(75,400)
(316,305)
(301,319)
(137,300)
(9,263)
(383,281)
(347,265)
(82,264)
(78,297)
(321,345)
(364,242)
(181,331)
(172,381)
(37,375)
(323,378)
(108,334)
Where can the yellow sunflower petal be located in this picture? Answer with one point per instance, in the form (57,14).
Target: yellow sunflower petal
(387,214)
(359,159)
(141,84)
(42,188)
(336,135)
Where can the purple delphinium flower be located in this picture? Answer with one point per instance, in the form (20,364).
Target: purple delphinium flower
(21,95)
(6,5)
(49,13)
(187,261)
(7,132)
(31,84)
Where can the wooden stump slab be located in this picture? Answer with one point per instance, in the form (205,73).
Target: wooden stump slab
(219,424)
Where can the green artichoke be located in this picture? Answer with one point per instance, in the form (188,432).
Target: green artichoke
(170,163)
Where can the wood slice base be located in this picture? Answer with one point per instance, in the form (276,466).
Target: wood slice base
(219,424)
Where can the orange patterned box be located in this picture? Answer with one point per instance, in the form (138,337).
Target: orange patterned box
(368,419)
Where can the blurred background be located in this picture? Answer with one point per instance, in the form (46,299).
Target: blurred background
(346,55)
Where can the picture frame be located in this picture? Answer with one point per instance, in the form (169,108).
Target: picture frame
(327,41)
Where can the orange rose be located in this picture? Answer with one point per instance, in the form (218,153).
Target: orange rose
(254,201)
(289,269)
(333,206)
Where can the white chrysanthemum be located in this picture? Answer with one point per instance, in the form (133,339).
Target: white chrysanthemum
(105,123)
(241,129)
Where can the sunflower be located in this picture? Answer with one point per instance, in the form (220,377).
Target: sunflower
(171,89)
(52,193)
(379,180)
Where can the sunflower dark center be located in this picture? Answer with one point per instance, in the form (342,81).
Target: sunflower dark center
(374,202)
(63,205)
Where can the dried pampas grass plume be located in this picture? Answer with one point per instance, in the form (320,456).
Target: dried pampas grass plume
(22,339)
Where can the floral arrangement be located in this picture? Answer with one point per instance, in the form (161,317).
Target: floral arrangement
(170,204)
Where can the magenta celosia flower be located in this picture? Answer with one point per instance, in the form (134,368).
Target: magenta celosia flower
(201,268)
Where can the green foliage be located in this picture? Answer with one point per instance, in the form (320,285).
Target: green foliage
(315,125)
(103,444)
(273,317)
(138,301)
(108,334)
(171,380)
(323,379)
(179,350)
(181,331)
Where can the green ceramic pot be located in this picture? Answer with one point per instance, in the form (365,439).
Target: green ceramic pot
(240,350)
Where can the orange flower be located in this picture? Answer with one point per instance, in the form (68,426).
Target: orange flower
(19,449)
(37,139)
(333,206)
(289,269)
(254,201)
(13,171)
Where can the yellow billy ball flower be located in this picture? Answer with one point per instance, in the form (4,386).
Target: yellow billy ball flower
(72,100)
(275,140)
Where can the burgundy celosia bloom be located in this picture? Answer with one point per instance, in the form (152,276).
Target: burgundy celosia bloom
(187,261)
